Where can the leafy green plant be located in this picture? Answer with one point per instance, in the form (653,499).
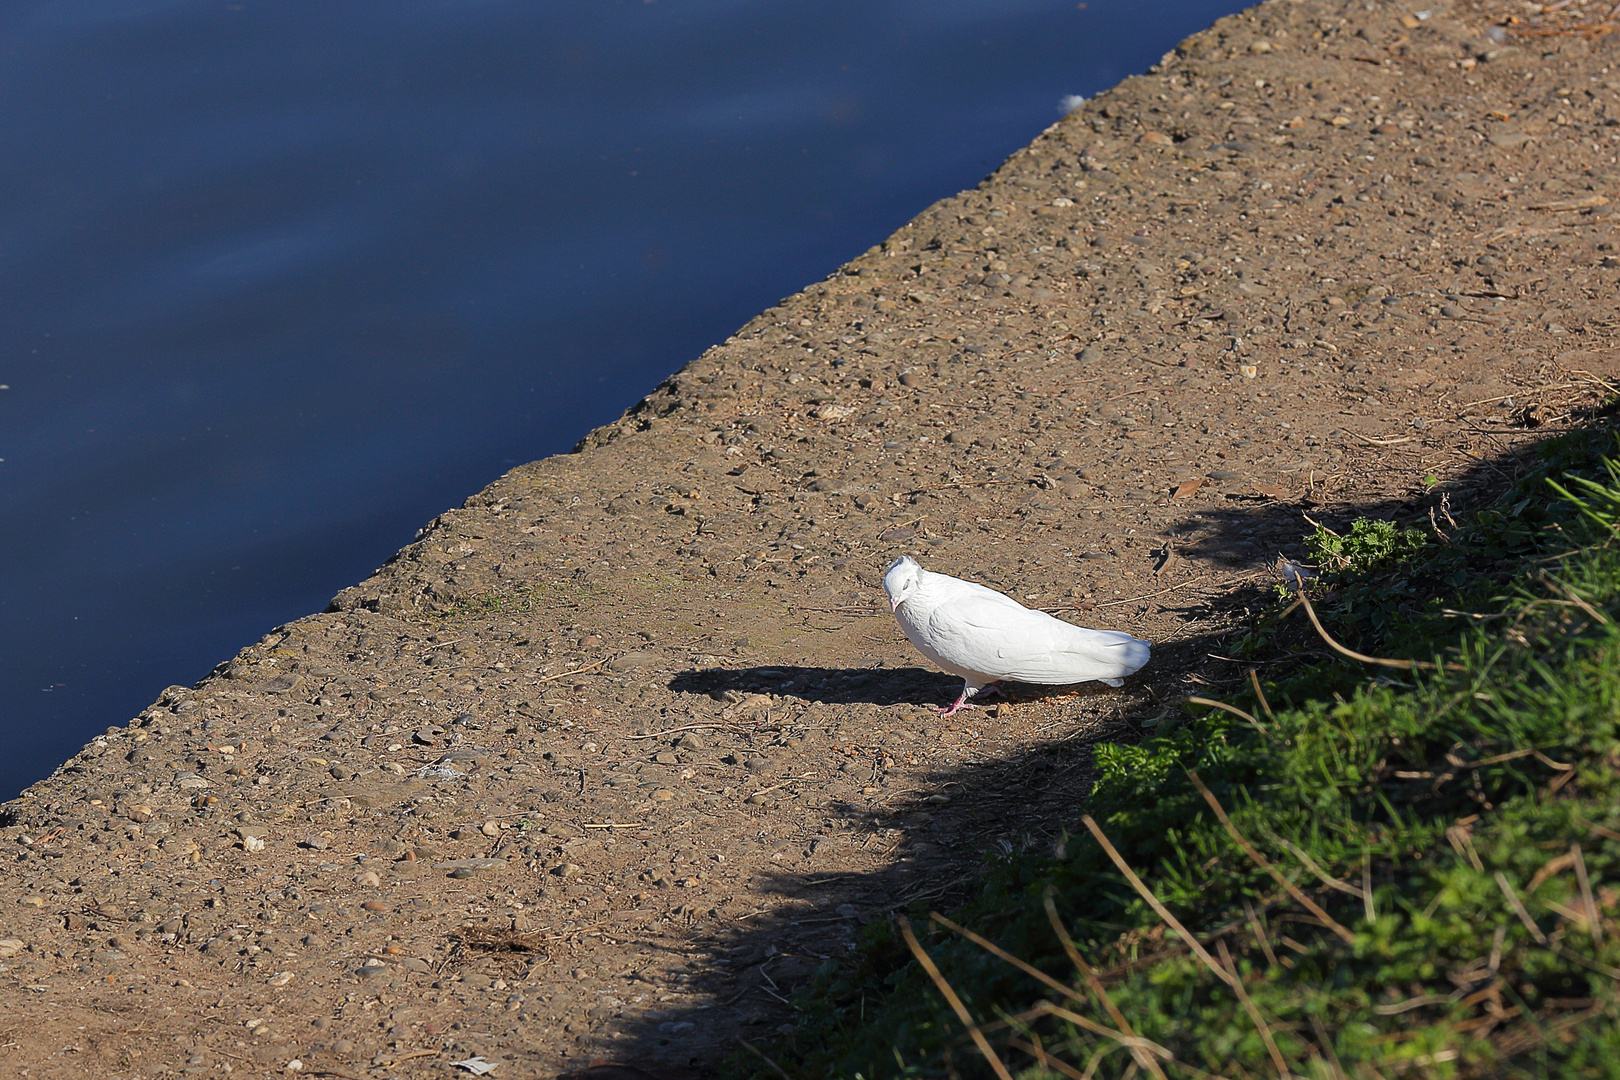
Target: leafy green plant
(1369,545)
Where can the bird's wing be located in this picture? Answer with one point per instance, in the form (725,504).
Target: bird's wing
(995,635)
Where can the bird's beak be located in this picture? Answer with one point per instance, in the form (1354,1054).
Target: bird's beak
(894,603)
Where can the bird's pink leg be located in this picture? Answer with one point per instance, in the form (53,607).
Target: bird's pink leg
(962,702)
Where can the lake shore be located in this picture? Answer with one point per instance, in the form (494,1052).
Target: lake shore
(619,752)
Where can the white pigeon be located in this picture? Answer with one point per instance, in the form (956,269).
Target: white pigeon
(985,637)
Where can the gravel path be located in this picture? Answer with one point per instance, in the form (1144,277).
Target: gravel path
(617,754)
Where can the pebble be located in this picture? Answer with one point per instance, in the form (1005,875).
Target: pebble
(10,947)
(491,828)
(468,867)
(315,843)
(374,905)
(663,794)
(689,741)
(667,757)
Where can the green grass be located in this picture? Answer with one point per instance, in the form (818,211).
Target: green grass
(1459,826)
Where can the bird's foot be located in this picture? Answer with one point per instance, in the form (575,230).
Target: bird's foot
(956,706)
(991,690)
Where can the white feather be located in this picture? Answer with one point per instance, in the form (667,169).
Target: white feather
(984,636)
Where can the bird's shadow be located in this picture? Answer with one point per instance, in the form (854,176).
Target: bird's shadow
(847,686)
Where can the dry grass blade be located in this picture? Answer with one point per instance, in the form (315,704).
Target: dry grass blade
(1047,1060)
(1125,1036)
(1519,909)
(1597,830)
(1093,983)
(766,1058)
(1002,954)
(955,1002)
(1575,598)
(1139,1047)
(1260,860)
(1265,706)
(1594,926)
(1254,1013)
(1404,665)
(1259,932)
(1146,894)
(1321,875)
(1233,709)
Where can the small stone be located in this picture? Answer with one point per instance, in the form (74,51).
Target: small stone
(343,1046)
(636,661)
(10,947)
(468,867)
(252,844)
(590,641)
(689,741)
(911,378)
(427,735)
(339,772)
(756,765)
(662,794)
(491,828)
(567,870)
(755,800)
(667,757)
(315,843)
(368,880)
(371,969)
(280,978)
(374,905)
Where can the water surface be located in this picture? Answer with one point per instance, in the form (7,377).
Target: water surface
(282,280)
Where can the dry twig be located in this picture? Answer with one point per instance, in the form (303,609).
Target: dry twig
(955,1002)
(1254,1013)
(1233,709)
(1404,665)
(1260,860)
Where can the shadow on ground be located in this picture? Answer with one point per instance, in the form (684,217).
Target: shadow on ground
(850,686)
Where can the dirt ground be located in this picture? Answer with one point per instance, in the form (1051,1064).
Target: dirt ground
(617,754)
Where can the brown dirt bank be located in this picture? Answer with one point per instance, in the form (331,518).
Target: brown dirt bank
(617,753)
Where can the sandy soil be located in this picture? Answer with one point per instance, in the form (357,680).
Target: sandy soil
(619,752)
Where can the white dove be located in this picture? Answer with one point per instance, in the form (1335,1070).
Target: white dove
(985,637)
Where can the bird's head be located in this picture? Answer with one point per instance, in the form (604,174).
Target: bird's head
(901,580)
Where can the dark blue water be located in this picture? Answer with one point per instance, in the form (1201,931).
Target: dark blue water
(282,279)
